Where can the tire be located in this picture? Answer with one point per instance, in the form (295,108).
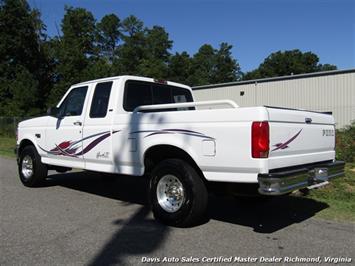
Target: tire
(35,176)
(166,179)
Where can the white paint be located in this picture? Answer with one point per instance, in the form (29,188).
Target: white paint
(220,141)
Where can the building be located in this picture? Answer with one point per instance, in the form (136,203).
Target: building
(329,91)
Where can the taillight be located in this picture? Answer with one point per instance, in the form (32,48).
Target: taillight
(260,139)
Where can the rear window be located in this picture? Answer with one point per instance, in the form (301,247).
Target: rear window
(139,93)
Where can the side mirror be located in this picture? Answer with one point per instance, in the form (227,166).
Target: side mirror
(53,111)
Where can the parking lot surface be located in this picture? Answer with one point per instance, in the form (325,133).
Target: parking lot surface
(81,218)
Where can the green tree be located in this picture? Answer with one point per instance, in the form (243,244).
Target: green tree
(131,52)
(158,43)
(283,63)
(24,94)
(144,51)
(203,64)
(156,53)
(326,67)
(74,51)
(35,71)
(132,25)
(345,143)
(98,68)
(180,68)
(210,65)
(78,27)
(226,67)
(23,66)
(109,33)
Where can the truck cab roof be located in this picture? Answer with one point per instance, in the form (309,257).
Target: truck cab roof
(131,77)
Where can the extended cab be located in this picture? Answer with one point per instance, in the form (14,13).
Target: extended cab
(145,127)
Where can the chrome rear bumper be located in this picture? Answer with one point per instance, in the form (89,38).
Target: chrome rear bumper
(283,181)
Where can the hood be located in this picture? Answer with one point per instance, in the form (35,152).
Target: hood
(34,122)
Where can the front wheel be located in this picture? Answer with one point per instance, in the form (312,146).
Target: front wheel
(31,170)
(178,195)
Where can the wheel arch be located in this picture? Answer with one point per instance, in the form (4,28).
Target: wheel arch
(24,143)
(157,153)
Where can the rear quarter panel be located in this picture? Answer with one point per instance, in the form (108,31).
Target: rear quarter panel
(218,140)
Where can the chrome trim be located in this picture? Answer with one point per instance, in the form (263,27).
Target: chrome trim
(319,185)
(285,181)
(27,167)
(170,193)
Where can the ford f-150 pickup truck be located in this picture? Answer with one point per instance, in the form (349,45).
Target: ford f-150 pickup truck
(145,127)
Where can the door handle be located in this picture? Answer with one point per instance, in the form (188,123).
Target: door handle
(77,123)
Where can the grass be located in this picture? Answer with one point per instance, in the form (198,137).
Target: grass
(7,145)
(339,194)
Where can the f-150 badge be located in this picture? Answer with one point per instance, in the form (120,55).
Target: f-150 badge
(328,132)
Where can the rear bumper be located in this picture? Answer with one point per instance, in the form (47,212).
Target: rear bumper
(283,181)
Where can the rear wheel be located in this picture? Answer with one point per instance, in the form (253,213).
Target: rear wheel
(178,195)
(31,170)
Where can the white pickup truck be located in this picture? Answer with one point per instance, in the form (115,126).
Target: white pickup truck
(144,127)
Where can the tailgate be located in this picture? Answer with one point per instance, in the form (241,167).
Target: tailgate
(300,137)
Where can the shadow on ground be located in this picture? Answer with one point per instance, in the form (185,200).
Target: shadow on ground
(267,217)
(140,235)
(263,217)
(137,236)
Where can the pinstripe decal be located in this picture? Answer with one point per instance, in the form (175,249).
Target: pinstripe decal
(69,148)
(282,146)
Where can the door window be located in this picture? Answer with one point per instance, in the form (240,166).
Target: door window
(74,102)
(100,100)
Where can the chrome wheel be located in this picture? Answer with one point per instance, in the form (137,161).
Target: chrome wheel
(170,193)
(27,167)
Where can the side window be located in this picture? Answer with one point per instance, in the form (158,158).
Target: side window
(136,94)
(100,100)
(181,95)
(144,93)
(74,102)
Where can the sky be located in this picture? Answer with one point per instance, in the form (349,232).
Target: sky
(255,28)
